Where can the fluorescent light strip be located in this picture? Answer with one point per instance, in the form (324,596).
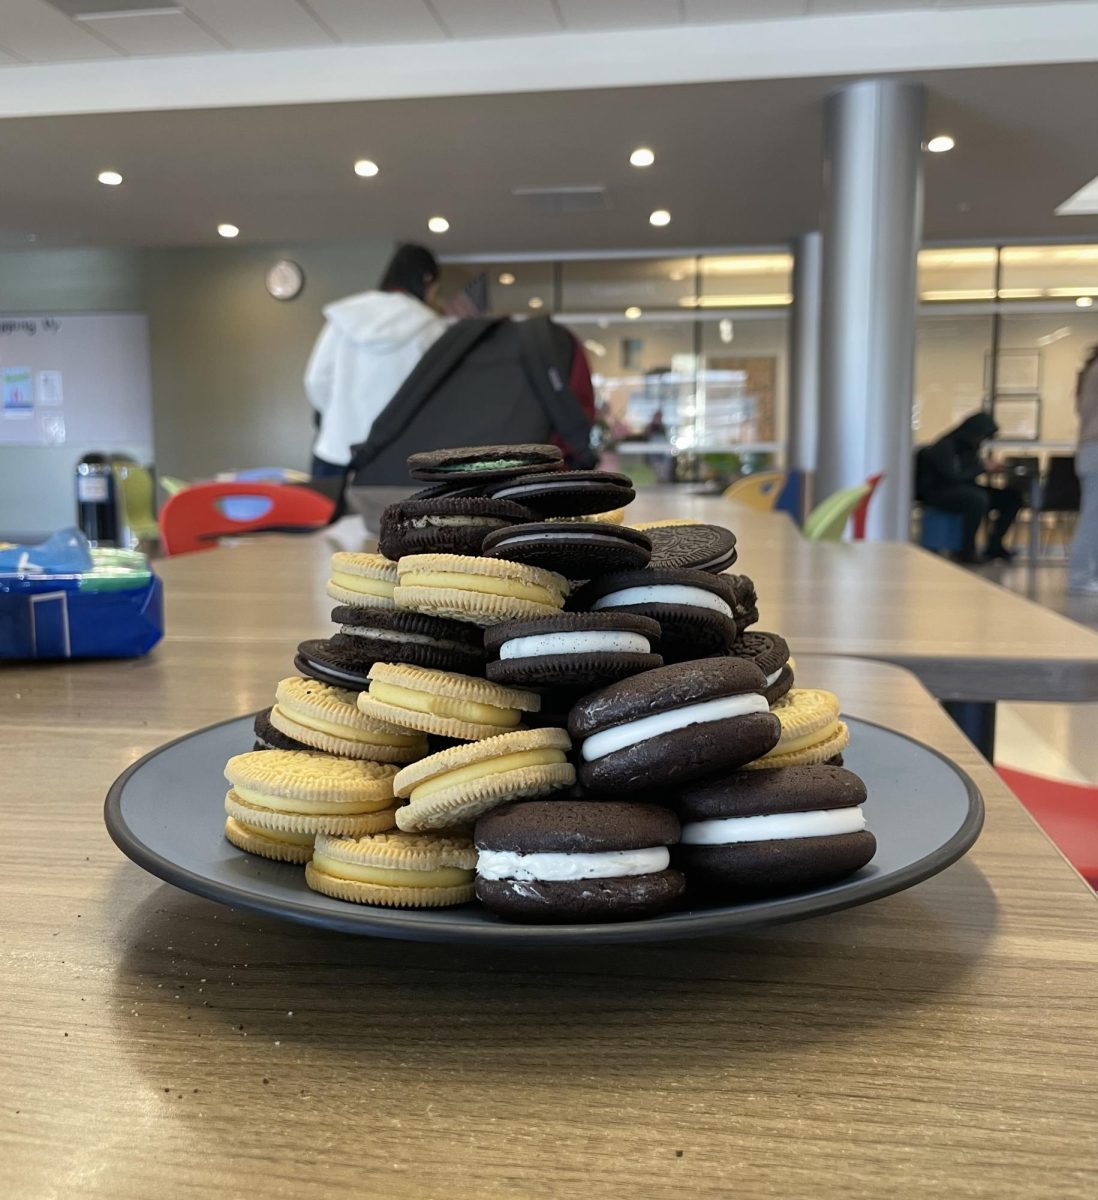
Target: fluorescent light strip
(115,14)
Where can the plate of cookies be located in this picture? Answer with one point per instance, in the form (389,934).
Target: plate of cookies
(535,724)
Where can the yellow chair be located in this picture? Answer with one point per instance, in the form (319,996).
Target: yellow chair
(759,491)
(136,491)
(827,521)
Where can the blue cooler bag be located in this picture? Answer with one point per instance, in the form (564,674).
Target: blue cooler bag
(64,600)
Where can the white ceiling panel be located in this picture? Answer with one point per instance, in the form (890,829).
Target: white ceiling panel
(32,30)
(497,18)
(714,12)
(173,33)
(581,15)
(358,21)
(260,24)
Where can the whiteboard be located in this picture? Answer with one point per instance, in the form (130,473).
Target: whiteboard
(76,380)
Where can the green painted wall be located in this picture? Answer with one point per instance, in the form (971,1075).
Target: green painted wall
(228,360)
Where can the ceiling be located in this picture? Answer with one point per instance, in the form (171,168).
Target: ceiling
(736,164)
(40,31)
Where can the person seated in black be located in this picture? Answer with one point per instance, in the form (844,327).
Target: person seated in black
(945,478)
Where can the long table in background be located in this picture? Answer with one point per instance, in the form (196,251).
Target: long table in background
(942,1041)
(971,642)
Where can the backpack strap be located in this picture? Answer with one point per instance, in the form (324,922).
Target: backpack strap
(541,359)
(427,375)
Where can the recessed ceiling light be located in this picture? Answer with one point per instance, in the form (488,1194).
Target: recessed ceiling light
(632,312)
(227,230)
(366,167)
(940,144)
(507,279)
(110,178)
(660,217)
(642,157)
(438,224)
(535,302)
(1083,302)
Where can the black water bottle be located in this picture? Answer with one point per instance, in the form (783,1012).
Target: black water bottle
(97,500)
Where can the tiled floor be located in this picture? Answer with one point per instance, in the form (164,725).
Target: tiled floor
(1058,740)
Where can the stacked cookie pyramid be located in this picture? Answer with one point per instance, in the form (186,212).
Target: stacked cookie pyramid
(565,717)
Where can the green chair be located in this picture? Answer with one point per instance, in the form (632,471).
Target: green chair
(827,521)
(172,485)
(138,493)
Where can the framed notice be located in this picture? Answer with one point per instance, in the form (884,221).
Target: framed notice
(1018,418)
(1017,372)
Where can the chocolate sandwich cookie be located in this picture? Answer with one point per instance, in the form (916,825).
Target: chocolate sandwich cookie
(770,653)
(269,738)
(568,493)
(483,464)
(756,833)
(693,608)
(673,725)
(573,650)
(745,602)
(695,547)
(573,550)
(401,636)
(449,525)
(576,860)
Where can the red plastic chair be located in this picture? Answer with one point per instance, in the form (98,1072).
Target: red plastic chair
(859,514)
(195,518)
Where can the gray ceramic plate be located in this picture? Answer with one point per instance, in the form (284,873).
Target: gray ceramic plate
(166,813)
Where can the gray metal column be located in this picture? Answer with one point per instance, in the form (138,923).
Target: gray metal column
(873,215)
(804,362)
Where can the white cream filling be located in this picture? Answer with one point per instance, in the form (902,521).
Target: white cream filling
(588,641)
(773,679)
(391,635)
(558,867)
(455,522)
(776,827)
(598,745)
(566,533)
(664,593)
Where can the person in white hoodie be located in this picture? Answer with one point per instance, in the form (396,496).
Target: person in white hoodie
(368,347)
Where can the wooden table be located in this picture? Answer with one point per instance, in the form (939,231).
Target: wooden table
(152,1044)
(971,642)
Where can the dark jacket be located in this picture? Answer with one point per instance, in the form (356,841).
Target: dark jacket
(954,459)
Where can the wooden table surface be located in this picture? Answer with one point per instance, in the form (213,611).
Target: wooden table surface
(153,1044)
(966,638)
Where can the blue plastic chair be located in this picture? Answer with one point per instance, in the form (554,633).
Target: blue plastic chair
(941,531)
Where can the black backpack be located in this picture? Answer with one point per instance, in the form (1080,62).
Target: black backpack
(486,381)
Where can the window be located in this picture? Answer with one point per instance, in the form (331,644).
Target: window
(613,285)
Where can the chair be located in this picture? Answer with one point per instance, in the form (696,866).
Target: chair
(1060,495)
(861,512)
(172,484)
(827,521)
(941,531)
(197,517)
(137,493)
(759,491)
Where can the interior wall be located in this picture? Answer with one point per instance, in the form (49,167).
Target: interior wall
(228,359)
(36,489)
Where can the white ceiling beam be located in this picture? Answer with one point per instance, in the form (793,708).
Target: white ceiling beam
(809,46)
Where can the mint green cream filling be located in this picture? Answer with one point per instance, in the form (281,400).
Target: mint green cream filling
(495,464)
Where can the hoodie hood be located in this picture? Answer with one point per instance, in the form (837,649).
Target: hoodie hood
(975,429)
(385,321)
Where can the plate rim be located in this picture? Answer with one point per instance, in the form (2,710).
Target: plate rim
(402,924)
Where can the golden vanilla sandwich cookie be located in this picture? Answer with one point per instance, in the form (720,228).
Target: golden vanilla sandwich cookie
(811,730)
(397,870)
(481,591)
(443,703)
(279,845)
(327,718)
(300,791)
(461,783)
(364,580)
